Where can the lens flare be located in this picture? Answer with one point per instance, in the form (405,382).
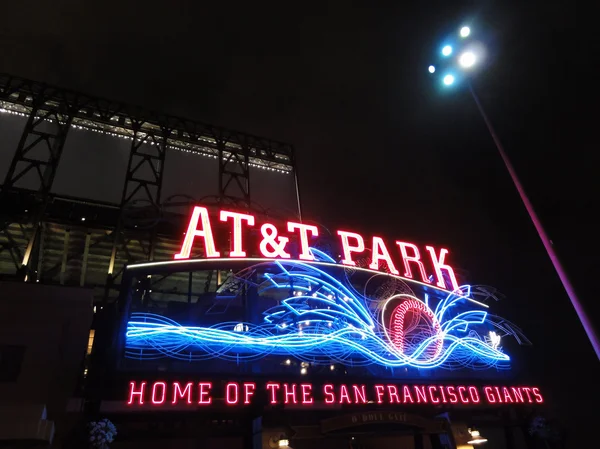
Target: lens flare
(448,80)
(467,59)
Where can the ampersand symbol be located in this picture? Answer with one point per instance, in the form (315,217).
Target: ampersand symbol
(277,244)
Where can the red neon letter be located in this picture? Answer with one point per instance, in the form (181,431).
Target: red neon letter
(276,243)
(451,392)
(248,391)
(273,389)
(204,392)
(305,251)
(474,393)
(421,395)
(379,392)
(507,396)
(538,396)
(306,393)
(237,250)
(163,394)
(380,252)
(287,394)
(443,392)
(439,265)
(359,393)
(348,250)
(193,231)
(344,394)
(498,394)
(416,258)
(232,386)
(489,394)
(434,400)
(407,396)
(179,393)
(393,393)
(461,390)
(527,390)
(518,394)
(328,391)
(139,393)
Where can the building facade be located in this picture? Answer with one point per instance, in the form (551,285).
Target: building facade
(195,307)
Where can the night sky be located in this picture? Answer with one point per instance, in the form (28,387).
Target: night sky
(380,148)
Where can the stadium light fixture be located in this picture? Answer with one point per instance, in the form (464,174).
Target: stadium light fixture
(468,60)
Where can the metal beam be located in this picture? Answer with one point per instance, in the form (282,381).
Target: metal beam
(118,119)
(84,262)
(140,200)
(38,152)
(234,169)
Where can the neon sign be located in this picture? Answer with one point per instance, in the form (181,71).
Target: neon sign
(274,245)
(163,393)
(322,320)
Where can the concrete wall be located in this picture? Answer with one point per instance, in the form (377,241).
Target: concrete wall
(52,324)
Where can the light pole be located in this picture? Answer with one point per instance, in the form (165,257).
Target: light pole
(462,62)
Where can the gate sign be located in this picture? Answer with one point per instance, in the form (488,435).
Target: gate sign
(322,310)
(275,393)
(274,243)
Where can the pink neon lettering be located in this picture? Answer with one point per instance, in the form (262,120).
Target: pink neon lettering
(380,252)
(232,393)
(344,394)
(204,393)
(287,393)
(179,393)
(237,250)
(303,228)
(193,231)
(439,265)
(248,392)
(393,394)
(498,394)
(306,393)
(443,393)
(421,395)
(507,396)
(328,391)
(518,394)
(379,389)
(360,395)
(407,395)
(139,393)
(527,390)
(434,400)
(538,396)
(451,392)
(163,394)
(349,249)
(415,258)
(474,395)
(276,243)
(489,394)
(463,399)
(273,389)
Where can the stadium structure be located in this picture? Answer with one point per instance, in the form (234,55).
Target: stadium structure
(130,293)
(87,186)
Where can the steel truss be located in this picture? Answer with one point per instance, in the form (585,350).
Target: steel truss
(51,112)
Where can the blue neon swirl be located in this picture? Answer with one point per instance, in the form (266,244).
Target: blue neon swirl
(323,321)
